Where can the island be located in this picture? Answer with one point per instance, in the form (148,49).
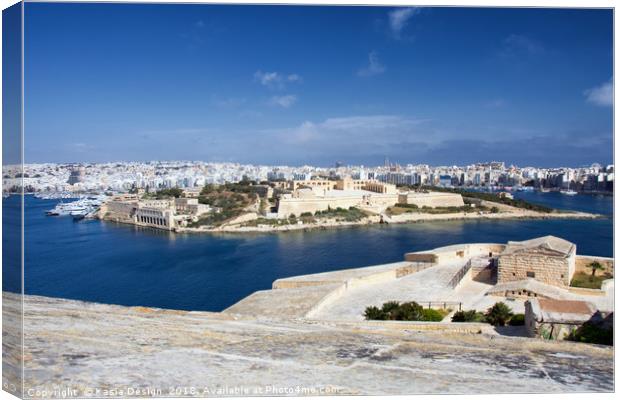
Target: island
(250,206)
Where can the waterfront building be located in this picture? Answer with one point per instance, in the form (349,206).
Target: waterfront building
(166,214)
(320,195)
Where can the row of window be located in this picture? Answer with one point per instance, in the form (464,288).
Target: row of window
(151,220)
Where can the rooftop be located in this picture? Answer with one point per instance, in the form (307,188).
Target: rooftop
(548,242)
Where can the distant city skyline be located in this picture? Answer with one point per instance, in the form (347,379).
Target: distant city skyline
(277,85)
(334,165)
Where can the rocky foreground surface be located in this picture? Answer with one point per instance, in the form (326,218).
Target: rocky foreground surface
(104,350)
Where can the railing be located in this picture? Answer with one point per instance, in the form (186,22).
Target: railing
(441,304)
(456,279)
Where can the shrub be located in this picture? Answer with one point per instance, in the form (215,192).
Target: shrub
(517,320)
(373,312)
(410,311)
(499,314)
(468,316)
(592,333)
(430,314)
(393,310)
(390,306)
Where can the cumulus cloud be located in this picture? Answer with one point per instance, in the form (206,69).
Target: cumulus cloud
(602,95)
(370,128)
(275,80)
(374,66)
(285,101)
(399,18)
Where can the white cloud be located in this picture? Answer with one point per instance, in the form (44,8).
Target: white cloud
(285,101)
(399,18)
(374,66)
(275,80)
(602,95)
(369,129)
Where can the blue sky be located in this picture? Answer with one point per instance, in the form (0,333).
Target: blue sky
(298,85)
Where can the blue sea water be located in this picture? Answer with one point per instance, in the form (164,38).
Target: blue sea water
(122,264)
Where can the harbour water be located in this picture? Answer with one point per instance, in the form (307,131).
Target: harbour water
(121,264)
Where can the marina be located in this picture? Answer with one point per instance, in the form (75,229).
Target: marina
(80,208)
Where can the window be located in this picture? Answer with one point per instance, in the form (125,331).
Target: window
(530,274)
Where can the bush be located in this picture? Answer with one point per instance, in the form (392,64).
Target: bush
(517,320)
(430,314)
(499,314)
(410,311)
(468,316)
(394,311)
(592,333)
(373,312)
(390,307)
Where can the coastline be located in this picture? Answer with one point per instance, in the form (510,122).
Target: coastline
(408,218)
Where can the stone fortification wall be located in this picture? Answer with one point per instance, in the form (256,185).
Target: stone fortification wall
(544,268)
(455,253)
(356,282)
(298,206)
(119,211)
(432,199)
(581,263)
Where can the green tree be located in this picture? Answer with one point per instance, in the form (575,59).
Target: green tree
(517,319)
(499,314)
(468,316)
(389,307)
(410,311)
(595,266)
(373,312)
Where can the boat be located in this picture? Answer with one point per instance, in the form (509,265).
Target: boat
(79,208)
(568,192)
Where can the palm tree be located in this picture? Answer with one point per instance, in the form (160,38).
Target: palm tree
(596,266)
(499,314)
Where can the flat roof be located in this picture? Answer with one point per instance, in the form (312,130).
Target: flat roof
(565,306)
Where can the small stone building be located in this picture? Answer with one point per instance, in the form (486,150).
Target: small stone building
(556,319)
(548,259)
